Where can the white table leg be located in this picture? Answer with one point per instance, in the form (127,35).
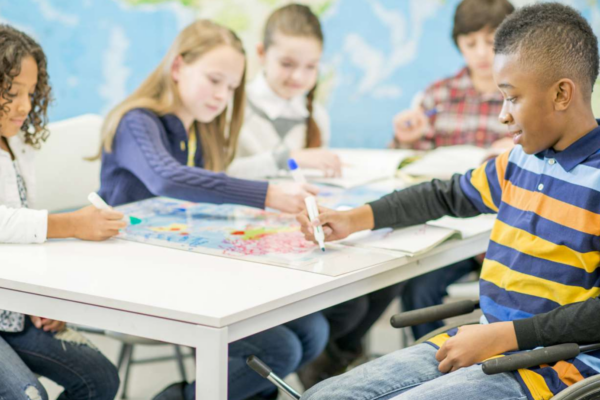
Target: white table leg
(211,363)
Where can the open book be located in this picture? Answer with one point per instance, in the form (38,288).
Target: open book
(420,239)
(360,167)
(444,162)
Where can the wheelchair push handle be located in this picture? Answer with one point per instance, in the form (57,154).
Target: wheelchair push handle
(434,313)
(266,372)
(259,367)
(527,359)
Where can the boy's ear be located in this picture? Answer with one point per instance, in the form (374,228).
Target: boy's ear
(260,51)
(176,68)
(563,94)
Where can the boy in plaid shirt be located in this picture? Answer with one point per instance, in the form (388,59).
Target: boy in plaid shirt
(461,109)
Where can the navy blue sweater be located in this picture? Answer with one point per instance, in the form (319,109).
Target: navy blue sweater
(149,159)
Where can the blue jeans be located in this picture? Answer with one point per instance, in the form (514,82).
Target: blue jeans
(429,290)
(71,362)
(412,373)
(284,348)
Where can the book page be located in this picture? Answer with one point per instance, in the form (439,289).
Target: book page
(468,227)
(444,162)
(360,167)
(412,240)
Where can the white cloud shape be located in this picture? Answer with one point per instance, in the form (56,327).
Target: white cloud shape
(114,70)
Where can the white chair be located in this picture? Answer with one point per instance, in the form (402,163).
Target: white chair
(64,179)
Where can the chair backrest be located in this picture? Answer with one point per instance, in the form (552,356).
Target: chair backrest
(63,177)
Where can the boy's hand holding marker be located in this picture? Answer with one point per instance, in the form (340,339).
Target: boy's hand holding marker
(411,125)
(320,224)
(336,225)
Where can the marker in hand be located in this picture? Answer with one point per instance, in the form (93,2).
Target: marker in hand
(101,205)
(310,201)
(428,113)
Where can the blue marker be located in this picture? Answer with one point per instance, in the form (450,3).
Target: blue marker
(310,201)
(428,113)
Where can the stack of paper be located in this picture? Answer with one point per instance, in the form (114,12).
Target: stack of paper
(444,162)
(419,239)
(467,227)
(360,167)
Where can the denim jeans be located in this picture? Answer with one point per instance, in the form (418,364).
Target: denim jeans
(429,290)
(284,348)
(66,358)
(412,373)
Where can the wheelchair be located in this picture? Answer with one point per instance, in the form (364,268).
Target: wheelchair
(587,389)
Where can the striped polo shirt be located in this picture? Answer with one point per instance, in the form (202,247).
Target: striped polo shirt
(544,248)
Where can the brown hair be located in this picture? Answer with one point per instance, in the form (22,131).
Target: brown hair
(474,15)
(297,20)
(159,94)
(14,47)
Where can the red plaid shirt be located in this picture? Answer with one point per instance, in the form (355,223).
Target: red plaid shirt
(466,116)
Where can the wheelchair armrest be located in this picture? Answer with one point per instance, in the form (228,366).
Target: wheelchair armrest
(588,388)
(526,359)
(445,328)
(435,313)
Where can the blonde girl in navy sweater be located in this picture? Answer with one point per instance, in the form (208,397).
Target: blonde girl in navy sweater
(169,138)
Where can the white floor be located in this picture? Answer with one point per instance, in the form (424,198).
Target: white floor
(146,380)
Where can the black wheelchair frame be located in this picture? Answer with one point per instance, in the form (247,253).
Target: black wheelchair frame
(587,389)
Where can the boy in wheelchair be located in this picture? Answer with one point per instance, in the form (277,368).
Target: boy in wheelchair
(544,248)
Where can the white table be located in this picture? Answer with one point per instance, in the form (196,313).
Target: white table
(186,298)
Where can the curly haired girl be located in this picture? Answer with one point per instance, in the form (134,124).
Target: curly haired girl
(33,345)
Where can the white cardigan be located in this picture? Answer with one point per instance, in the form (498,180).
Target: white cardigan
(19,225)
(261,151)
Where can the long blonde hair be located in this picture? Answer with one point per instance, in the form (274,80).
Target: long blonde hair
(297,20)
(159,94)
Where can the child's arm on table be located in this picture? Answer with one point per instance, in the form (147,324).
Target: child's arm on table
(22,225)
(412,206)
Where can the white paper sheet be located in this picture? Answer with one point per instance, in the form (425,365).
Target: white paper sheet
(361,166)
(412,240)
(444,162)
(467,227)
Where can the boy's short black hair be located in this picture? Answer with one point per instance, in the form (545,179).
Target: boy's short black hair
(555,39)
(474,15)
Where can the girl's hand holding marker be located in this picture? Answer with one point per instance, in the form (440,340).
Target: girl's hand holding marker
(101,205)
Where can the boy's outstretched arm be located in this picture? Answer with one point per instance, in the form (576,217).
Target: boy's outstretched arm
(421,203)
(414,205)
